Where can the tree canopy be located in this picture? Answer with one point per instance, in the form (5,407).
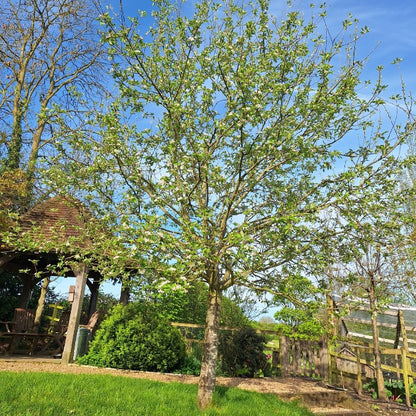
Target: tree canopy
(247,130)
(51,65)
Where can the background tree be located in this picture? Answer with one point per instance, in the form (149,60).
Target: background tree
(13,192)
(190,306)
(247,133)
(375,255)
(51,65)
(51,69)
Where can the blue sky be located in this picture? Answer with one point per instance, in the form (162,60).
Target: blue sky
(392,34)
(392,25)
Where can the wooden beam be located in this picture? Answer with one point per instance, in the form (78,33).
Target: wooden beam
(5,258)
(81,273)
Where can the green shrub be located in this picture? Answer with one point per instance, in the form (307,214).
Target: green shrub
(395,391)
(136,338)
(242,353)
(192,363)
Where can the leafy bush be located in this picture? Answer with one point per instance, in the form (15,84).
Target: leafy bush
(394,389)
(191,366)
(192,363)
(191,306)
(242,353)
(136,338)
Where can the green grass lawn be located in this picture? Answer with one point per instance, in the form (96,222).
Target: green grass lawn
(52,394)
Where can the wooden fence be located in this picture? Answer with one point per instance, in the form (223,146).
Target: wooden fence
(305,358)
(345,363)
(349,365)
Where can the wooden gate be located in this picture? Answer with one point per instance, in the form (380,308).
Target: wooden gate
(302,358)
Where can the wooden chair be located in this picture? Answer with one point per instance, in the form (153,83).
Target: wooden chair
(92,321)
(21,327)
(23,321)
(60,338)
(58,334)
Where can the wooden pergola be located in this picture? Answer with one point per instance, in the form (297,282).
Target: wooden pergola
(51,231)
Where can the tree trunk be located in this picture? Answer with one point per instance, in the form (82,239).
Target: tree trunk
(125,291)
(41,303)
(210,351)
(28,284)
(381,390)
(15,145)
(94,287)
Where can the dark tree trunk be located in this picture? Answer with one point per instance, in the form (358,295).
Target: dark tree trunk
(28,284)
(125,293)
(94,287)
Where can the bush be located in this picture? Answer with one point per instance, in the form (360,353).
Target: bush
(136,338)
(192,363)
(242,353)
(395,391)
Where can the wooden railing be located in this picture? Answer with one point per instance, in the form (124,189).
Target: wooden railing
(350,359)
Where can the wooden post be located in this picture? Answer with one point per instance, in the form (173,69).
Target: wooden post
(5,258)
(324,359)
(406,376)
(398,329)
(296,363)
(276,360)
(330,363)
(359,379)
(331,315)
(405,342)
(81,275)
(284,355)
(94,288)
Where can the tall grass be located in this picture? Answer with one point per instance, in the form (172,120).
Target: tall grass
(52,394)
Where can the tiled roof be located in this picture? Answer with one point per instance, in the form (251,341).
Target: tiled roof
(59,222)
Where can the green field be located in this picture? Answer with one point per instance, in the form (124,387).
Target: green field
(51,394)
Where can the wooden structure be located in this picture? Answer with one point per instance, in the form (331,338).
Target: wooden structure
(92,322)
(53,229)
(23,320)
(347,362)
(397,340)
(305,358)
(21,329)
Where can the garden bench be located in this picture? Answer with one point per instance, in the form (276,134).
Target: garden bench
(21,328)
(23,321)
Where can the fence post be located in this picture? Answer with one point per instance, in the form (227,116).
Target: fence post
(359,379)
(405,342)
(324,358)
(276,363)
(284,355)
(406,376)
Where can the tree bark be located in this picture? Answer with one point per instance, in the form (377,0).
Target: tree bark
(41,302)
(207,377)
(125,293)
(94,287)
(28,284)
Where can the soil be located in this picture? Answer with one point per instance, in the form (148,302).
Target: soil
(262,385)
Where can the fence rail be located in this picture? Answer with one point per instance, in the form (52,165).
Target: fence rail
(350,360)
